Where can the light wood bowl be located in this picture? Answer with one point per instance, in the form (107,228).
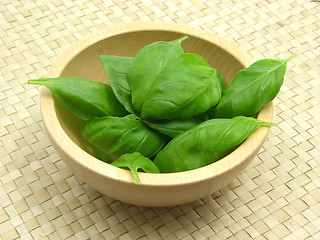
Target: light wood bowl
(82,60)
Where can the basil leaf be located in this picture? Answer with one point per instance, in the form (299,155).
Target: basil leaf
(172,128)
(252,88)
(147,63)
(134,162)
(100,154)
(113,136)
(224,84)
(205,143)
(84,98)
(187,86)
(116,68)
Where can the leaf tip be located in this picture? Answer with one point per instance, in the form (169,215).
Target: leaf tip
(31,82)
(269,124)
(36,81)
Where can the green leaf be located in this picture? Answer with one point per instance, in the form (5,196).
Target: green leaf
(147,63)
(116,68)
(113,136)
(205,143)
(187,86)
(223,81)
(252,88)
(174,127)
(84,98)
(134,162)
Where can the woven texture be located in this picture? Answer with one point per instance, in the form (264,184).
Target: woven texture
(276,197)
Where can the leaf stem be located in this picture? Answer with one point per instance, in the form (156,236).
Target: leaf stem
(183,38)
(291,57)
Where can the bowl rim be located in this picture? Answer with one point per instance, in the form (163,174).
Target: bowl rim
(60,138)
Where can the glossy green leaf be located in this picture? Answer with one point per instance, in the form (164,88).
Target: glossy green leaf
(187,86)
(134,162)
(148,62)
(252,88)
(223,82)
(116,68)
(84,98)
(113,136)
(172,128)
(205,143)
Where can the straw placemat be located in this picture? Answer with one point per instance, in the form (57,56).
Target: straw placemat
(276,197)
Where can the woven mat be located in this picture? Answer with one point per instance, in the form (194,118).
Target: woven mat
(276,197)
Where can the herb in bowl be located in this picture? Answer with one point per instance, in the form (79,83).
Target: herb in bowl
(166,110)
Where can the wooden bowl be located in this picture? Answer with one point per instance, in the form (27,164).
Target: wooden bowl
(82,60)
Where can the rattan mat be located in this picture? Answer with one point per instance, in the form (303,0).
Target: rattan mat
(276,197)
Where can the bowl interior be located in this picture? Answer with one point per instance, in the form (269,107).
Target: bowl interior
(86,64)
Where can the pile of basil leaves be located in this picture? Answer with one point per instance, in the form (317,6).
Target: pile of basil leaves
(165,110)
